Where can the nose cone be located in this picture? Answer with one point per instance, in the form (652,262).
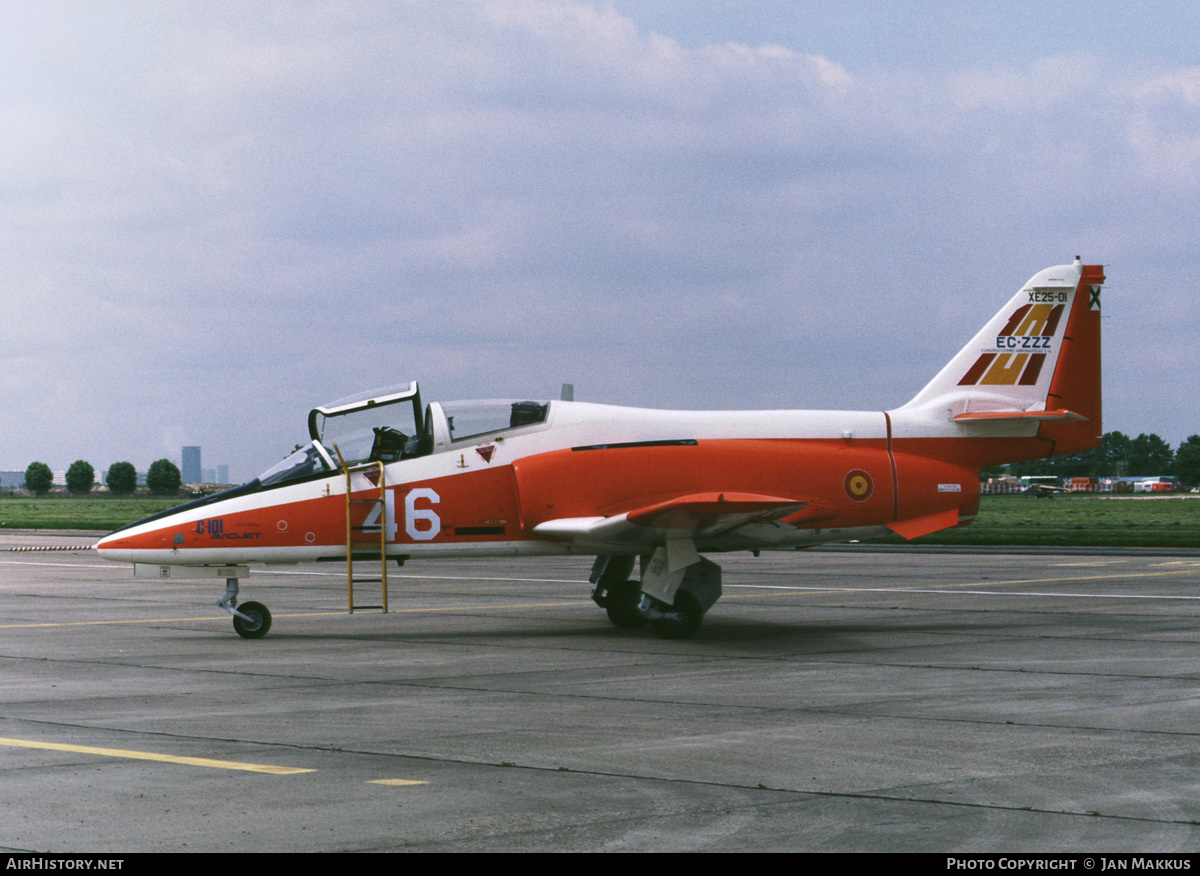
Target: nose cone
(217,529)
(105,546)
(157,538)
(151,540)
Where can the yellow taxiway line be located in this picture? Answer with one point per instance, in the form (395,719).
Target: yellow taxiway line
(396,782)
(150,755)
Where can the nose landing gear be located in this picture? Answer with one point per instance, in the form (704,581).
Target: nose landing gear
(252,620)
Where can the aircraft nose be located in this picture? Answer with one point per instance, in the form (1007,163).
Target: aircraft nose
(107,542)
(145,540)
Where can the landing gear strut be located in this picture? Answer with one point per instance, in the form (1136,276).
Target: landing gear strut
(252,620)
(672,602)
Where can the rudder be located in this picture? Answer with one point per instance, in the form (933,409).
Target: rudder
(1076,383)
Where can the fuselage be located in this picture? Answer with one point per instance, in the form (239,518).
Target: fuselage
(858,473)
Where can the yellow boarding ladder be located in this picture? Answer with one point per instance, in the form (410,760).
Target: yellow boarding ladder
(352,531)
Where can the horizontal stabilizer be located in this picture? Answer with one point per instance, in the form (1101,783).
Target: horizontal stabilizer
(994,416)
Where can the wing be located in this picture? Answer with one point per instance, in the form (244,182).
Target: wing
(697,516)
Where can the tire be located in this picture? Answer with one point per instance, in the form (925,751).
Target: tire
(684,619)
(259,623)
(622,606)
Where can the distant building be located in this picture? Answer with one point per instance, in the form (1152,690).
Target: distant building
(102,478)
(191,473)
(222,474)
(10,480)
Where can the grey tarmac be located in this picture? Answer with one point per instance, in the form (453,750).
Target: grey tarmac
(832,701)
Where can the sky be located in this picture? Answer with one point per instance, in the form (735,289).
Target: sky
(217,215)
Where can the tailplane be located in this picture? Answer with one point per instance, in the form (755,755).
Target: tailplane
(1037,362)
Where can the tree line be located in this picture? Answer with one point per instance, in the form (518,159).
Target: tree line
(1118,455)
(163,478)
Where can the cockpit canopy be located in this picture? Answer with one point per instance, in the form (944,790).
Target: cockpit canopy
(476,419)
(389,425)
(302,462)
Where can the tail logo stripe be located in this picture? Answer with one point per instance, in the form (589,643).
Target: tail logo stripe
(976,371)
(1034,325)
(1005,370)
(1030,376)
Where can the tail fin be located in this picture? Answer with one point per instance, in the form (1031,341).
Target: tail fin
(1037,361)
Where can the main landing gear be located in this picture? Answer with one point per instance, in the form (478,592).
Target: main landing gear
(672,601)
(251,620)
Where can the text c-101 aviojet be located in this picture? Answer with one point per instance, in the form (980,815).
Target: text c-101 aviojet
(386,478)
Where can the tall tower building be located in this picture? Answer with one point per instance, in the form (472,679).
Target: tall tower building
(191,466)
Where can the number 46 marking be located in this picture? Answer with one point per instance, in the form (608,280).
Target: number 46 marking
(412,515)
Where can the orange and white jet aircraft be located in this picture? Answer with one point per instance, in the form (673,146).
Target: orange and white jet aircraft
(647,488)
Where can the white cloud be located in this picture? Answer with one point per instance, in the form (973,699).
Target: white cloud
(1055,82)
(1162,127)
(1178,85)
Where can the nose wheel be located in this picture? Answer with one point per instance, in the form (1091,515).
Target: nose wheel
(252,620)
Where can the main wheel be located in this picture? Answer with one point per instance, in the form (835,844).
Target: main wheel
(682,620)
(622,606)
(259,623)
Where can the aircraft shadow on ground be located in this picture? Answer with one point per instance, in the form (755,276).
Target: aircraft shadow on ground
(747,635)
